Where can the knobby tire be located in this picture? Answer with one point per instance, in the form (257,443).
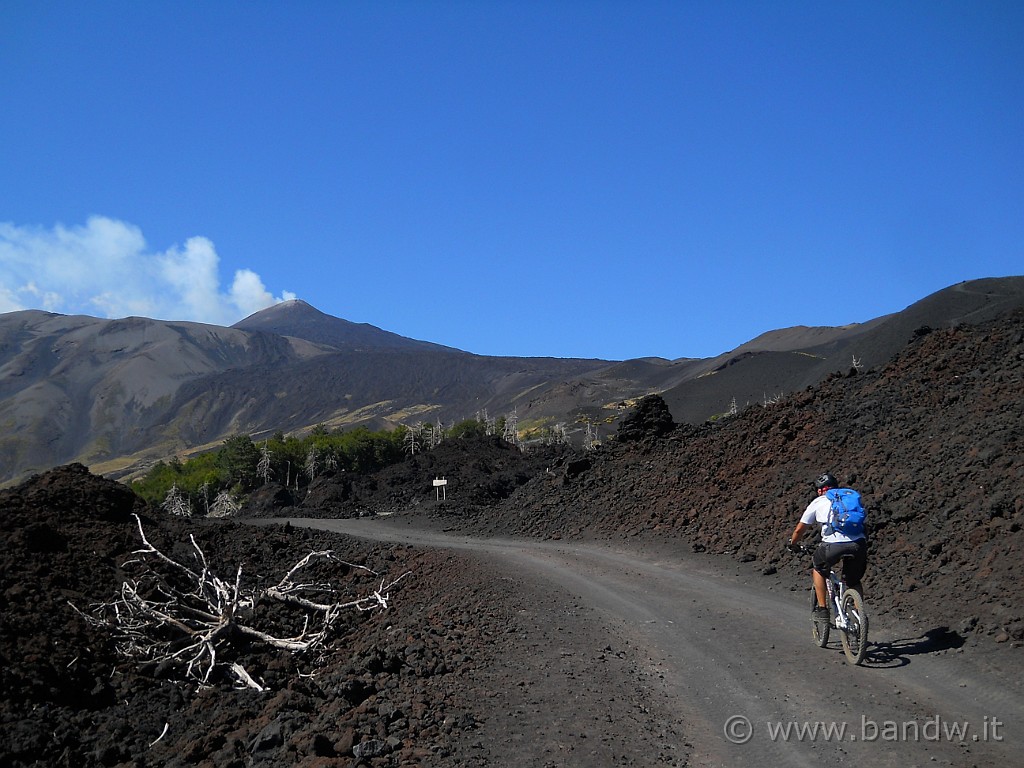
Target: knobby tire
(819,629)
(855,636)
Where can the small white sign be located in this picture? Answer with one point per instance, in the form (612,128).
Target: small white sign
(439,482)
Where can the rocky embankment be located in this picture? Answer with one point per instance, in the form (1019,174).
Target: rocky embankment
(934,440)
(393,687)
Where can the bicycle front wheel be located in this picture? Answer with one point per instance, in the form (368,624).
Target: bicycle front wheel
(855,636)
(819,629)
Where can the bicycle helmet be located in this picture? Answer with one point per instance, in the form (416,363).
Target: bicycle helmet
(826,480)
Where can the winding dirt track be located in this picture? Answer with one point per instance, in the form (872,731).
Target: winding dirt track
(728,662)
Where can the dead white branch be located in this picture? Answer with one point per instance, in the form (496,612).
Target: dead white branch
(244,678)
(190,618)
(162,734)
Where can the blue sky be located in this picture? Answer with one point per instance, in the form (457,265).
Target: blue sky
(570,179)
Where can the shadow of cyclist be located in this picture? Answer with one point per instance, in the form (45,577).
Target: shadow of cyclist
(897,653)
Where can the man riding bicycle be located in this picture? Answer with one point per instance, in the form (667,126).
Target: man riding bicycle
(833,547)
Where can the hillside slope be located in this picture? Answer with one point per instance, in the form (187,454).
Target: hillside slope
(775,363)
(88,389)
(119,395)
(791,359)
(934,440)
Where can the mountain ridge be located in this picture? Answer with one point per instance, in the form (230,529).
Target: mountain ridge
(117,395)
(299,319)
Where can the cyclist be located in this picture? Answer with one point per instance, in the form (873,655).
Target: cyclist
(834,545)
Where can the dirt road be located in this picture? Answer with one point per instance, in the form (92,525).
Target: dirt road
(680,658)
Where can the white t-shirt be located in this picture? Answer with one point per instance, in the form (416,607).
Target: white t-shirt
(817,513)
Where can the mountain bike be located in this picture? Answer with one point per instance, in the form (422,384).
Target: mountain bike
(846,613)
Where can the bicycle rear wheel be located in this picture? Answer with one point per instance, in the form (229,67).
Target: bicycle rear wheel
(855,636)
(819,629)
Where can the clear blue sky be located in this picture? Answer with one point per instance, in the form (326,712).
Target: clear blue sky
(573,179)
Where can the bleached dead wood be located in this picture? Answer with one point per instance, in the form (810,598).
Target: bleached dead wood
(177,503)
(225,505)
(188,617)
(162,734)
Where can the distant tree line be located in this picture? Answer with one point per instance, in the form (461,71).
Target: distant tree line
(209,482)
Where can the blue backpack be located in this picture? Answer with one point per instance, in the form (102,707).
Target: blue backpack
(847,513)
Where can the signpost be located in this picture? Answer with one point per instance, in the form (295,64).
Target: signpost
(440,489)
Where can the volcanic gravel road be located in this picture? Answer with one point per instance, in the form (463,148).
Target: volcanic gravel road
(723,662)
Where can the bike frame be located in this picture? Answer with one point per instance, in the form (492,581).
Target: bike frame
(836,589)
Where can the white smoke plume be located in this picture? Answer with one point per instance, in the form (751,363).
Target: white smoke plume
(104,268)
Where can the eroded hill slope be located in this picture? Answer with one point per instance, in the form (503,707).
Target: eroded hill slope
(934,440)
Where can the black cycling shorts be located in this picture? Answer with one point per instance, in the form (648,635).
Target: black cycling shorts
(827,555)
